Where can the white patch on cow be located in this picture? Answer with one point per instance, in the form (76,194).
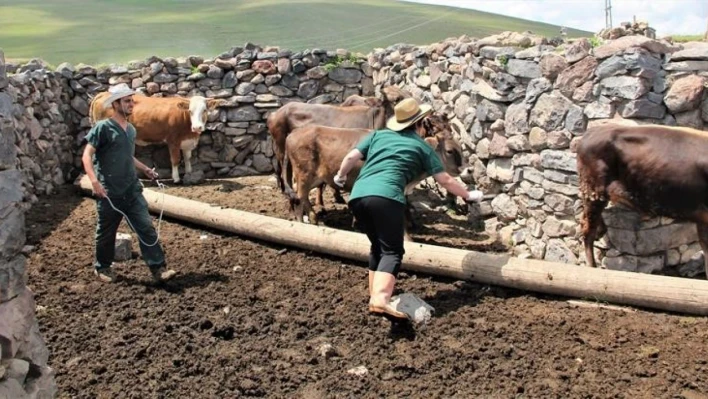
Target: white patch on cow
(175,173)
(198,113)
(189,145)
(141,143)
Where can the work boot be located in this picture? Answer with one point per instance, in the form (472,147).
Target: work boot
(105,274)
(162,274)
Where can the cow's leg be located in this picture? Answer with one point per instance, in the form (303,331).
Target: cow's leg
(187,147)
(592,226)
(319,201)
(702,229)
(303,193)
(174,160)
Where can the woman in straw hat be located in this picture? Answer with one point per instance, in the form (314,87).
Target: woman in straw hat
(393,158)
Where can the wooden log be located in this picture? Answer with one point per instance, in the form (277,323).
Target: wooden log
(628,288)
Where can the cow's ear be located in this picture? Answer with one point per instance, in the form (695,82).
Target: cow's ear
(183,105)
(213,103)
(432,141)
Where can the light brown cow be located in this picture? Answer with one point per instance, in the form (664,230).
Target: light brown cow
(175,121)
(294,115)
(314,153)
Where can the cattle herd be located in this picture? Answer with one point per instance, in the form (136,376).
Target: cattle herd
(656,170)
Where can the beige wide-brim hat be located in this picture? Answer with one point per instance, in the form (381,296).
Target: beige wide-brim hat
(117,92)
(406,113)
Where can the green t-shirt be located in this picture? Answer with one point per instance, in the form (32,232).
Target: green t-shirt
(113,162)
(391,161)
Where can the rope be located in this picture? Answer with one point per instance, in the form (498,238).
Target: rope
(159,223)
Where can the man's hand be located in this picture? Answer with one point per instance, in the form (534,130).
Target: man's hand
(98,189)
(151,174)
(339,180)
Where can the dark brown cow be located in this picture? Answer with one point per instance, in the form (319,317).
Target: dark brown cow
(294,115)
(175,121)
(655,170)
(315,153)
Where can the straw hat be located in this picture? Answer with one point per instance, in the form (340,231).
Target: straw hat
(117,92)
(406,113)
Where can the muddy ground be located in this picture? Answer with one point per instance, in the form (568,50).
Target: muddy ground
(243,319)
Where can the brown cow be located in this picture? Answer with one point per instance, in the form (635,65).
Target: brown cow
(655,170)
(176,121)
(294,115)
(316,152)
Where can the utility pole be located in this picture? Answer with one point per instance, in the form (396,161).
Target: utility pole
(608,14)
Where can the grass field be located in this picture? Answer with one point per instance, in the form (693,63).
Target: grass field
(106,31)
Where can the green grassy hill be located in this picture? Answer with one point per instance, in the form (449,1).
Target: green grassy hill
(106,31)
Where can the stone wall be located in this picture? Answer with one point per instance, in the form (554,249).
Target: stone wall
(519,103)
(23,355)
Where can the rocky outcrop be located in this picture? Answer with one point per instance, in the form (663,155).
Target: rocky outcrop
(24,372)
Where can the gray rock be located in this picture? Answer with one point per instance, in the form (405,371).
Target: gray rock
(12,231)
(280,91)
(308,89)
(599,110)
(536,87)
(13,278)
(642,108)
(488,111)
(575,120)
(245,88)
(505,208)
(194,178)
(123,247)
(550,111)
(559,139)
(558,251)
(8,152)
(704,115)
(615,65)
(345,75)
(79,104)
(686,66)
(229,81)
(650,241)
(500,169)
(690,119)
(642,63)
(244,113)
(262,164)
(561,160)
(516,119)
(627,87)
(554,228)
(577,74)
(523,69)
(699,52)
(519,143)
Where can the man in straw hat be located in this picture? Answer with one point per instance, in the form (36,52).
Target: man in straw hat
(110,164)
(393,158)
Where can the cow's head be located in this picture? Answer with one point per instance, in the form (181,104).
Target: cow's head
(436,131)
(198,107)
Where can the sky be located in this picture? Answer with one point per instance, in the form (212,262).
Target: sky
(668,17)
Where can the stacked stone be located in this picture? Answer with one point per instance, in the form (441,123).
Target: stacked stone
(253,80)
(519,106)
(23,355)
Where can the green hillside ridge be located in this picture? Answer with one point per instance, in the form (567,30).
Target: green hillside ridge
(116,31)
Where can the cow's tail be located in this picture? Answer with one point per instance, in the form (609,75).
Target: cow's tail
(287,189)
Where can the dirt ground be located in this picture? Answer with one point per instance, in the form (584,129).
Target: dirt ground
(244,319)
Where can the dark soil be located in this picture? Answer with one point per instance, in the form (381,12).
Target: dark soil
(244,319)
